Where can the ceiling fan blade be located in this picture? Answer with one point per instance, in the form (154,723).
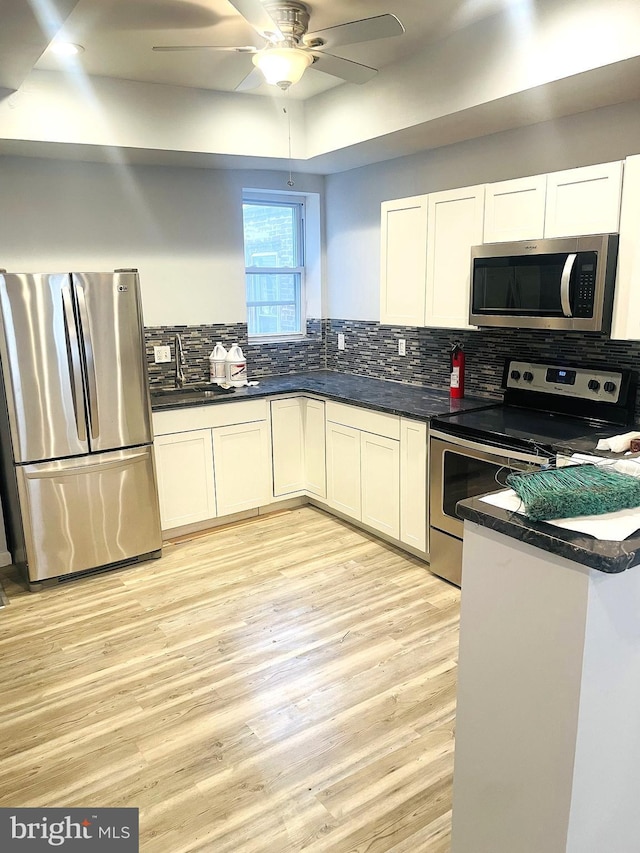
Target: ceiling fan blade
(247,48)
(255,13)
(253,79)
(368,29)
(352,72)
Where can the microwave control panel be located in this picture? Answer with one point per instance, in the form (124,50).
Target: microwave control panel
(585,289)
(582,383)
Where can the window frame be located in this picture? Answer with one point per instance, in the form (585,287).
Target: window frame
(298,204)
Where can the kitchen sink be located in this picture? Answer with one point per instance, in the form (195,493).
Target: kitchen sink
(193,394)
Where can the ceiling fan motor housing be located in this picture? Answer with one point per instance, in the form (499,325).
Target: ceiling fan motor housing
(292,19)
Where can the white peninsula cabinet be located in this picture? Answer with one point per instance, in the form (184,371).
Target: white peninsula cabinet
(298,446)
(569,203)
(212,461)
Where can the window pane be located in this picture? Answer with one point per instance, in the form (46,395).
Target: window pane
(271,235)
(273,304)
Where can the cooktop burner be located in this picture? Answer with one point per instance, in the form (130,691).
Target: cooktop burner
(551,407)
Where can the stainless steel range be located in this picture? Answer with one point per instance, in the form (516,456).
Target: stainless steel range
(547,408)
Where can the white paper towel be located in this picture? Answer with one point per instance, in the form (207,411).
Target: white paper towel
(613,526)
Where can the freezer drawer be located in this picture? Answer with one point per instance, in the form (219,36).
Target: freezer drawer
(88,512)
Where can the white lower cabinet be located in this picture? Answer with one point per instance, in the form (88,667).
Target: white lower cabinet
(380,479)
(242,466)
(414,508)
(212,461)
(298,447)
(287,445)
(363,466)
(218,460)
(343,469)
(315,464)
(186,487)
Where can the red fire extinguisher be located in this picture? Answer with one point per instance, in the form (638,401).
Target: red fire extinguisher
(456,384)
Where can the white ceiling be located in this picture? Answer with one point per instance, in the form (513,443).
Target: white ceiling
(117,36)
(462,69)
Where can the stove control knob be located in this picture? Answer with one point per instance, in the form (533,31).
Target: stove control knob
(609,387)
(527,376)
(515,374)
(594,385)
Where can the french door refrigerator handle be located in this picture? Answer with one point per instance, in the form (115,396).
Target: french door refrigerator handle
(92,390)
(565,281)
(73,358)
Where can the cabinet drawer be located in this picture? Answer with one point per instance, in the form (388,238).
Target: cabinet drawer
(379,423)
(206,417)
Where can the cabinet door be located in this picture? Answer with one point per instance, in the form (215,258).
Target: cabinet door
(343,469)
(380,478)
(288,446)
(403,253)
(584,201)
(514,210)
(242,464)
(414,510)
(626,305)
(455,222)
(315,448)
(186,489)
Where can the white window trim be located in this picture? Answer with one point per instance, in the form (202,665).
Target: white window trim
(270,197)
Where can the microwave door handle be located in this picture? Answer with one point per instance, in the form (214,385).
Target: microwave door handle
(92,392)
(73,357)
(565,283)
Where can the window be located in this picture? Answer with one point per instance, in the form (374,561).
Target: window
(274,266)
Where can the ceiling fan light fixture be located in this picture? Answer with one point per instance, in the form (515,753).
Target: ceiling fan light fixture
(282,66)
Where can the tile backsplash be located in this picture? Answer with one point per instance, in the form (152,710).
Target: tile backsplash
(371,349)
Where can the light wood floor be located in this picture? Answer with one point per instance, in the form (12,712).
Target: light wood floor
(280,685)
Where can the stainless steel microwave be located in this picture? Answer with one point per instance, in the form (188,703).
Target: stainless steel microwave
(561,283)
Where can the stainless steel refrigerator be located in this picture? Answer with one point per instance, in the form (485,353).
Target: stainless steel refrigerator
(79,483)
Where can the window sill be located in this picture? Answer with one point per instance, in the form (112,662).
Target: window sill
(279,339)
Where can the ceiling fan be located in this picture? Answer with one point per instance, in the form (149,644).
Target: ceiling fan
(290,49)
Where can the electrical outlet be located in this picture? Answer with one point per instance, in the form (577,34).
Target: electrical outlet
(402,346)
(161,354)
(340,340)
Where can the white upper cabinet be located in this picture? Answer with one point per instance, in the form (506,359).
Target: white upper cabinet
(561,204)
(454,225)
(403,261)
(626,304)
(583,201)
(514,210)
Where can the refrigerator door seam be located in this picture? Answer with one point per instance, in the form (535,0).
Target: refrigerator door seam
(92,390)
(73,358)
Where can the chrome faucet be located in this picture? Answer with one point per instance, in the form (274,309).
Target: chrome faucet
(180,377)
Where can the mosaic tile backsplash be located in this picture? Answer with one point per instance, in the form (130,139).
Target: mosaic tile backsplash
(372,350)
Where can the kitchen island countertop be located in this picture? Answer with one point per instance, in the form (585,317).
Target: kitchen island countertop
(383,395)
(603,555)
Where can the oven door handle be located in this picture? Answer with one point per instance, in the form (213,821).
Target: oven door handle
(498,453)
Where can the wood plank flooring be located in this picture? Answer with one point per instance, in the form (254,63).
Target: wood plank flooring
(279,685)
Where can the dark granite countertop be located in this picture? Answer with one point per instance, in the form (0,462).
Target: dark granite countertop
(603,555)
(382,395)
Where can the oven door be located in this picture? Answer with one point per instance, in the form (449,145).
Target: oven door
(460,468)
